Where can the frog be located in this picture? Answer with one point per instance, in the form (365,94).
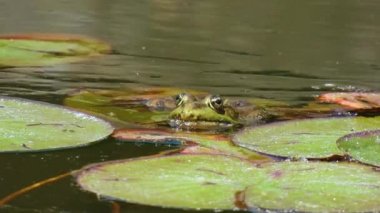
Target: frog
(193,110)
(213,111)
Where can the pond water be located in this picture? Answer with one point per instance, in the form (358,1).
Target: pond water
(277,49)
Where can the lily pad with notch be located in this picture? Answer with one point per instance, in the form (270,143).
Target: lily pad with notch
(308,138)
(362,146)
(202,181)
(35,126)
(316,187)
(180,181)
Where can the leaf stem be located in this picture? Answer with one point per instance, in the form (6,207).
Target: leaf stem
(29,188)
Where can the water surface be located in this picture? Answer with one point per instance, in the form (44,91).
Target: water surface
(279,49)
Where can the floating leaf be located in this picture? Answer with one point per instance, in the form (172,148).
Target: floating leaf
(199,142)
(310,110)
(197,149)
(22,50)
(316,187)
(221,182)
(362,146)
(309,138)
(353,100)
(149,136)
(182,181)
(32,126)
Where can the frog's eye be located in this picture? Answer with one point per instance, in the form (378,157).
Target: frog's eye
(179,98)
(216,103)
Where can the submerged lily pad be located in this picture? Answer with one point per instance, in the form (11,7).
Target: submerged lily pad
(362,146)
(220,182)
(309,138)
(22,50)
(193,142)
(32,126)
(132,105)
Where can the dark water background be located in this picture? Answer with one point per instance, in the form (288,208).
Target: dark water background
(281,49)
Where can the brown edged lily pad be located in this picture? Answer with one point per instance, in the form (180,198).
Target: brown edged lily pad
(22,50)
(353,100)
(191,142)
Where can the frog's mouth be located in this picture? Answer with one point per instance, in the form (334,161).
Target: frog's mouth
(200,124)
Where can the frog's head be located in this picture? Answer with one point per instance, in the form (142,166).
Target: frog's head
(202,113)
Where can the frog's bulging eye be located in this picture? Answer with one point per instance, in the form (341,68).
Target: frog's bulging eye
(216,103)
(179,99)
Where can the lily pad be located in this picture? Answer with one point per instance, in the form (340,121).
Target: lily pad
(362,146)
(309,138)
(194,142)
(131,105)
(219,182)
(182,181)
(33,126)
(197,149)
(310,110)
(23,50)
(316,187)
(149,136)
(353,100)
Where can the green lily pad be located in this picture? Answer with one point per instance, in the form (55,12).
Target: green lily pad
(33,126)
(309,138)
(219,182)
(316,187)
(182,181)
(23,50)
(362,146)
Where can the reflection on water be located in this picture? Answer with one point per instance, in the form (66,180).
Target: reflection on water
(225,47)
(289,50)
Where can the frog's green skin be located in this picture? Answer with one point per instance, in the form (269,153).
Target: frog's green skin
(211,111)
